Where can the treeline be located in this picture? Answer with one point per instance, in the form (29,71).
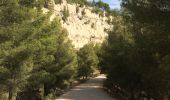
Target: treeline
(81,2)
(136,55)
(37,60)
(98,6)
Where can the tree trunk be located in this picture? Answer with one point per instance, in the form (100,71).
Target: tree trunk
(148,98)
(86,77)
(10,96)
(42,91)
(132,96)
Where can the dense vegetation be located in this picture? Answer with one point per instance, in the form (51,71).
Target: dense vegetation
(66,14)
(81,2)
(87,61)
(58,1)
(37,59)
(136,55)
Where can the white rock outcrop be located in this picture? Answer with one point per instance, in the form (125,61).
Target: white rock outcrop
(82,29)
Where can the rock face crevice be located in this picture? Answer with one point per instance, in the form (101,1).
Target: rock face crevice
(83,26)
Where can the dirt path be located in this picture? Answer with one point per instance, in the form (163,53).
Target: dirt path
(91,90)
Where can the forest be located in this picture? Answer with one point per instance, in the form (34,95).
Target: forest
(38,61)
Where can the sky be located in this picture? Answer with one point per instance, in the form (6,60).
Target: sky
(114,4)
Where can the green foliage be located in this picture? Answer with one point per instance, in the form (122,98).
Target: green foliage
(87,22)
(105,30)
(87,61)
(92,25)
(152,20)
(109,21)
(65,14)
(83,12)
(50,4)
(101,14)
(77,9)
(81,2)
(35,54)
(14,53)
(54,60)
(58,1)
(102,5)
(96,10)
(32,3)
(136,53)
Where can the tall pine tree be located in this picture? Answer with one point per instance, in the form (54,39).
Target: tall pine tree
(35,54)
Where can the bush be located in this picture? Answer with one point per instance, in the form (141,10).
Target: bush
(58,1)
(77,9)
(96,10)
(109,21)
(101,14)
(92,25)
(81,2)
(105,30)
(87,61)
(80,18)
(65,14)
(83,12)
(87,22)
(103,6)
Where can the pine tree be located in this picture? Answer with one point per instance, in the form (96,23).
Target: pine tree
(33,50)
(87,61)
(136,54)
(14,53)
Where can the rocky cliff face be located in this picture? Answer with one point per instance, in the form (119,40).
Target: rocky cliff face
(83,26)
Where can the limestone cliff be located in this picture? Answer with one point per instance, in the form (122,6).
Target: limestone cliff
(82,28)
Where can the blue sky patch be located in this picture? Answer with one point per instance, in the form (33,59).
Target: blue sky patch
(114,4)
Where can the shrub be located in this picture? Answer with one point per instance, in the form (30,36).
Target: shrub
(105,30)
(58,1)
(87,61)
(77,9)
(109,21)
(101,14)
(92,25)
(65,14)
(87,22)
(80,18)
(83,12)
(95,10)
(81,2)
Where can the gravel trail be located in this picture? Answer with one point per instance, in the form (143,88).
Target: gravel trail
(91,90)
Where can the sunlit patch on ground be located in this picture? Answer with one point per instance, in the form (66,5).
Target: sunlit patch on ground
(91,90)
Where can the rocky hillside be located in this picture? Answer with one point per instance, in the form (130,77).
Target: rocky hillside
(82,23)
